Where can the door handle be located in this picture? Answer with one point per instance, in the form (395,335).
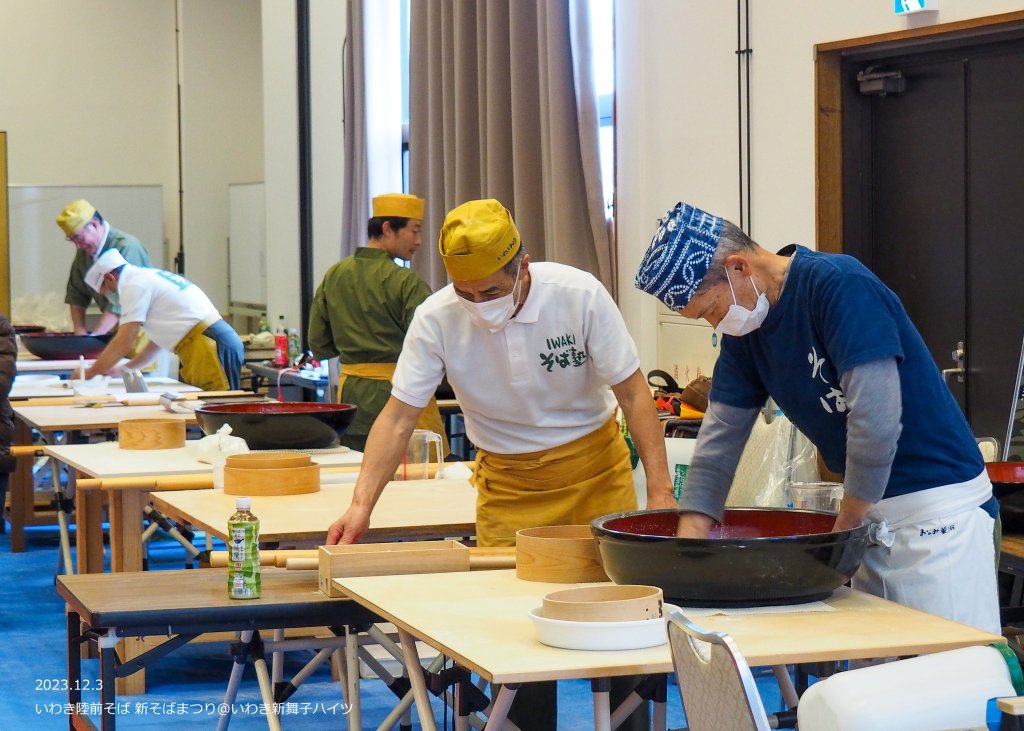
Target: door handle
(947,373)
(959,355)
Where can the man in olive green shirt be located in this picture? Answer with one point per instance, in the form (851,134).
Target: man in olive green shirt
(364,306)
(85,228)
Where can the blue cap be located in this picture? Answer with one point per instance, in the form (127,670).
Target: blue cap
(679,255)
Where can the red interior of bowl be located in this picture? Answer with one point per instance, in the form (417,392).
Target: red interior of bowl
(737,524)
(1005,471)
(289,407)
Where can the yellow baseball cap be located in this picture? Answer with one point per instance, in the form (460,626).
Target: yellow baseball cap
(477,239)
(398,205)
(75,215)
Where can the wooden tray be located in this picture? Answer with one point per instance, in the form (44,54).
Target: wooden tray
(253,481)
(563,554)
(385,559)
(151,434)
(613,603)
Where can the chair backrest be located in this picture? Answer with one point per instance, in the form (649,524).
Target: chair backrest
(715,684)
(989,447)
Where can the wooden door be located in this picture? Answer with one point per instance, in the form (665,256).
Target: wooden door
(934,202)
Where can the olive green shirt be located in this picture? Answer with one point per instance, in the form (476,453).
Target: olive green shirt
(81,294)
(360,314)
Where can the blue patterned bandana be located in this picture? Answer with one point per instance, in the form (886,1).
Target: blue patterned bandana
(679,255)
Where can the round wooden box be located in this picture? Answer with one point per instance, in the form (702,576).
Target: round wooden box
(270,473)
(565,554)
(613,603)
(151,434)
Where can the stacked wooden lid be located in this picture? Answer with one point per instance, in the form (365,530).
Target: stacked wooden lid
(271,473)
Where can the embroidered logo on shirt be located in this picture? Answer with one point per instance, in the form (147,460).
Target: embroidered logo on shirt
(834,394)
(562,352)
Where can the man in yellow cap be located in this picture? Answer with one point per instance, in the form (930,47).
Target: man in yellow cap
(85,228)
(538,355)
(363,308)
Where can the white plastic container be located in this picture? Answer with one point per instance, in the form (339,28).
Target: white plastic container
(944,690)
(631,635)
(822,496)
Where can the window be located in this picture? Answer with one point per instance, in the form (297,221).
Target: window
(602,32)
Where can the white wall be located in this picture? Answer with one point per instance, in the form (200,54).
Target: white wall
(89,96)
(327,35)
(222,128)
(676,125)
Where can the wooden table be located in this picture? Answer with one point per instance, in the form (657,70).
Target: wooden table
(126,504)
(410,509)
(48,420)
(488,632)
(179,606)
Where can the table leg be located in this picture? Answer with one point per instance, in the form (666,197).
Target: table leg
(74,628)
(21,488)
(355,711)
(108,685)
(419,686)
(89,530)
(601,688)
(499,710)
(126,555)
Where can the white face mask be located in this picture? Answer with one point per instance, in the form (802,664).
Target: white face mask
(739,320)
(494,314)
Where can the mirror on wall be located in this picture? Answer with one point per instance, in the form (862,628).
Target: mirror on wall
(1013,447)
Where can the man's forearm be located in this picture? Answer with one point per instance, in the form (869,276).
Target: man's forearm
(106,323)
(634,398)
(78,319)
(116,349)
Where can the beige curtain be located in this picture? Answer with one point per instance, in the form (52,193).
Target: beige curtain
(355,203)
(502,106)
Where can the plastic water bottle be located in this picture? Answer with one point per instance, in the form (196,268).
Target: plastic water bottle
(244,580)
(281,343)
(294,346)
(264,326)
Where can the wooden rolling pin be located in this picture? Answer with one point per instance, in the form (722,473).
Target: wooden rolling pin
(192,481)
(480,559)
(27,450)
(219,559)
(137,401)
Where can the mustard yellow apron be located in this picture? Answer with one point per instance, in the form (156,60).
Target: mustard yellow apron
(200,364)
(430,417)
(141,341)
(567,485)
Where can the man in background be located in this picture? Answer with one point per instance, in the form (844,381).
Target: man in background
(362,311)
(92,236)
(176,315)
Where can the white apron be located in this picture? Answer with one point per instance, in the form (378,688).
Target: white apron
(933,550)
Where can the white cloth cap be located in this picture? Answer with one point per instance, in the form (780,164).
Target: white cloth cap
(107,262)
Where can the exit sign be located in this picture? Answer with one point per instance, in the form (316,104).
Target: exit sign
(904,7)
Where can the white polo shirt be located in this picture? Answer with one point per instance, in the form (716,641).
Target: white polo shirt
(542,381)
(166,304)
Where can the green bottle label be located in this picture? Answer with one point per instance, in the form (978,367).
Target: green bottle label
(679,480)
(244,581)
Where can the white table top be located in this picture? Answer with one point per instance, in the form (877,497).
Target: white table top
(480,619)
(107,459)
(410,509)
(77,418)
(39,385)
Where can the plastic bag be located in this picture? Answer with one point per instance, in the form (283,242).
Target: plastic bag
(776,454)
(215,448)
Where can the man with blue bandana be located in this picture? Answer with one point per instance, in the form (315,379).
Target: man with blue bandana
(835,349)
